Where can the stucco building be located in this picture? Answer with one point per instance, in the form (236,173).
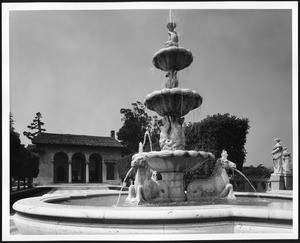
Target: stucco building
(67,158)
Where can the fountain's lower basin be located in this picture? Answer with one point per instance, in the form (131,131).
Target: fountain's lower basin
(173,165)
(43,215)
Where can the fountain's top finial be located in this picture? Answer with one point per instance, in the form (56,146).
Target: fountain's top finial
(173,36)
(171,26)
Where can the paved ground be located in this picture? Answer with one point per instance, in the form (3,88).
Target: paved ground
(13,229)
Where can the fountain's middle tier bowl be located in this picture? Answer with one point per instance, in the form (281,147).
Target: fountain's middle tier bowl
(172,58)
(173,102)
(176,161)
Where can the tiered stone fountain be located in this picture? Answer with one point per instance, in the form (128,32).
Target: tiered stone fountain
(49,215)
(172,103)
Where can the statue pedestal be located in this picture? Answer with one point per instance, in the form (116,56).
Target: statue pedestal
(277,182)
(288,181)
(175,184)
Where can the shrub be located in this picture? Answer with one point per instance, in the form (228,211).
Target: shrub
(123,166)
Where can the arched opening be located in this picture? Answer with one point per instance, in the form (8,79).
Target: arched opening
(95,168)
(60,168)
(61,173)
(78,168)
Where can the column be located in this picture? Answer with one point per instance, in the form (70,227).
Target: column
(174,181)
(53,171)
(87,173)
(70,172)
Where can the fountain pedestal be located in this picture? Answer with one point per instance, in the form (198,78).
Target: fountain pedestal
(175,183)
(172,103)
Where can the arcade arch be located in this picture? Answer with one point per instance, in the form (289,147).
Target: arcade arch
(78,168)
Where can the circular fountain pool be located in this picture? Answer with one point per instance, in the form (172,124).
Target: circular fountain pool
(55,215)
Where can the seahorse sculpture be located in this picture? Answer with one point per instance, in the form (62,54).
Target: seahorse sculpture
(146,188)
(216,186)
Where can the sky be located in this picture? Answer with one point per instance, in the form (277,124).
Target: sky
(80,67)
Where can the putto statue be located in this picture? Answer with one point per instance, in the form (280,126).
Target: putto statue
(217,185)
(173,36)
(277,156)
(286,161)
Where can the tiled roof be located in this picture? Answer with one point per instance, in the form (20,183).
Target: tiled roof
(70,139)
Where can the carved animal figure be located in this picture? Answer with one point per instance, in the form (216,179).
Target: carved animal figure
(172,134)
(146,187)
(172,81)
(216,186)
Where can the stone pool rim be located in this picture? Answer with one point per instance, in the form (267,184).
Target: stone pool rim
(42,206)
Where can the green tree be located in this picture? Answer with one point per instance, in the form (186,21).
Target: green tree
(135,124)
(35,126)
(255,172)
(23,163)
(218,132)
(11,122)
(16,162)
(123,166)
(30,168)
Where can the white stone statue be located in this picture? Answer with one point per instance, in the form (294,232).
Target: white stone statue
(147,188)
(277,156)
(173,36)
(217,185)
(286,161)
(172,134)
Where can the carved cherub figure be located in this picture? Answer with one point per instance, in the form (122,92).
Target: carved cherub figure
(173,36)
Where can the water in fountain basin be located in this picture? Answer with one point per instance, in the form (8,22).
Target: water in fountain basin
(108,200)
(246,179)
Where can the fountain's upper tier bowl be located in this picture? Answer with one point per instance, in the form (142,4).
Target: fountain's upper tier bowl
(172,58)
(175,102)
(176,161)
